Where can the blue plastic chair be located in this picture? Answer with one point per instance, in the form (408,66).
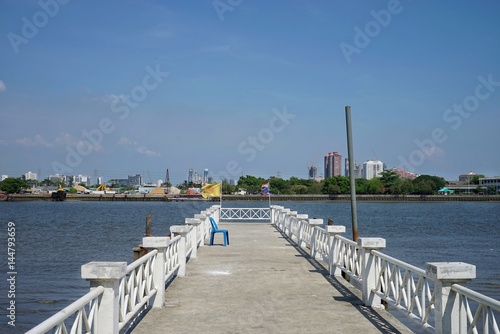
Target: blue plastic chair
(215,229)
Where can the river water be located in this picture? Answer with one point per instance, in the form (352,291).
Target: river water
(54,239)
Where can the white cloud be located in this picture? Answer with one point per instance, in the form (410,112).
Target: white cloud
(37,140)
(3,87)
(126,141)
(147,152)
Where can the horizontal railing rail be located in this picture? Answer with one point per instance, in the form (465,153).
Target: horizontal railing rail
(245,214)
(82,313)
(480,310)
(136,288)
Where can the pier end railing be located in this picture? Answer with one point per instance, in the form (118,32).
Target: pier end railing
(107,275)
(449,316)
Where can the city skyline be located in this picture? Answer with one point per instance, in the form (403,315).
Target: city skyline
(178,85)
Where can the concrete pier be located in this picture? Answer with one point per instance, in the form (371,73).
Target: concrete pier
(262,283)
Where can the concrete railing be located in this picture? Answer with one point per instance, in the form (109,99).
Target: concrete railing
(119,293)
(434,297)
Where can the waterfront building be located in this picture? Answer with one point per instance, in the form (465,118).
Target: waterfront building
(135,180)
(486,182)
(77,179)
(372,168)
(333,164)
(30,176)
(466,178)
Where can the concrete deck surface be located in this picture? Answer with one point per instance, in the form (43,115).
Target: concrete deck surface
(261,283)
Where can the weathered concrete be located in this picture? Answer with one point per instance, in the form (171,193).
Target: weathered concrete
(261,283)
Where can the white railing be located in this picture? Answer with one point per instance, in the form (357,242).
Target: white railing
(136,288)
(434,298)
(82,312)
(119,293)
(245,214)
(405,287)
(484,316)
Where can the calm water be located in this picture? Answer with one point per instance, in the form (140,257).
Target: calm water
(53,240)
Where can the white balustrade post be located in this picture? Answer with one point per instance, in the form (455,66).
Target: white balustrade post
(333,257)
(369,274)
(159,274)
(314,222)
(301,219)
(197,226)
(291,215)
(216,212)
(108,275)
(449,316)
(183,231)
(205,223)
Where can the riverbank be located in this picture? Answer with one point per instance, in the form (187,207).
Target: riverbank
(335,198)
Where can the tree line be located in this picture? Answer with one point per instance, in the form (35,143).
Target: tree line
(389,182)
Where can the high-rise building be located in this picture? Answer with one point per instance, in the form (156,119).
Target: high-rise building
(205,175)
(30,176)
(333,164)
(312,172)
(358,169)
(372,168)
(190,175)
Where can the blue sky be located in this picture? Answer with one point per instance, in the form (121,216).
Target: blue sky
(247,87)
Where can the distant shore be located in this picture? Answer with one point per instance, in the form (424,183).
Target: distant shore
(333,198)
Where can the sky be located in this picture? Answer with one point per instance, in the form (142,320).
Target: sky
(118,88)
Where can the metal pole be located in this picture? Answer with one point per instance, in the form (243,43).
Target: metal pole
(350,154)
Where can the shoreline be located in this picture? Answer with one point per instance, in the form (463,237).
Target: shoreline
(259,198)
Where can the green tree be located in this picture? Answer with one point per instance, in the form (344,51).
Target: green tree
(389,179)
(13,185)
(251,183)
(428,185)
(279,186)
(336,185)
(475,179)
(374,186)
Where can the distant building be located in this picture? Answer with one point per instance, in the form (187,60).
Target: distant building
(486,182)
(135,180)
(77,179)
(190,175)
(205,175)
(372,168)
(4,177)
(358,169)
(58,178)
(30,176)
(312,172)
(404,174)
(333,164)
(466,177)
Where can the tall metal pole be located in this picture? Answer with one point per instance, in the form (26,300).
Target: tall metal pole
(354,212)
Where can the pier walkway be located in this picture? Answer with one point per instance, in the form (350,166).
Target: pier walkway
(262,283)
